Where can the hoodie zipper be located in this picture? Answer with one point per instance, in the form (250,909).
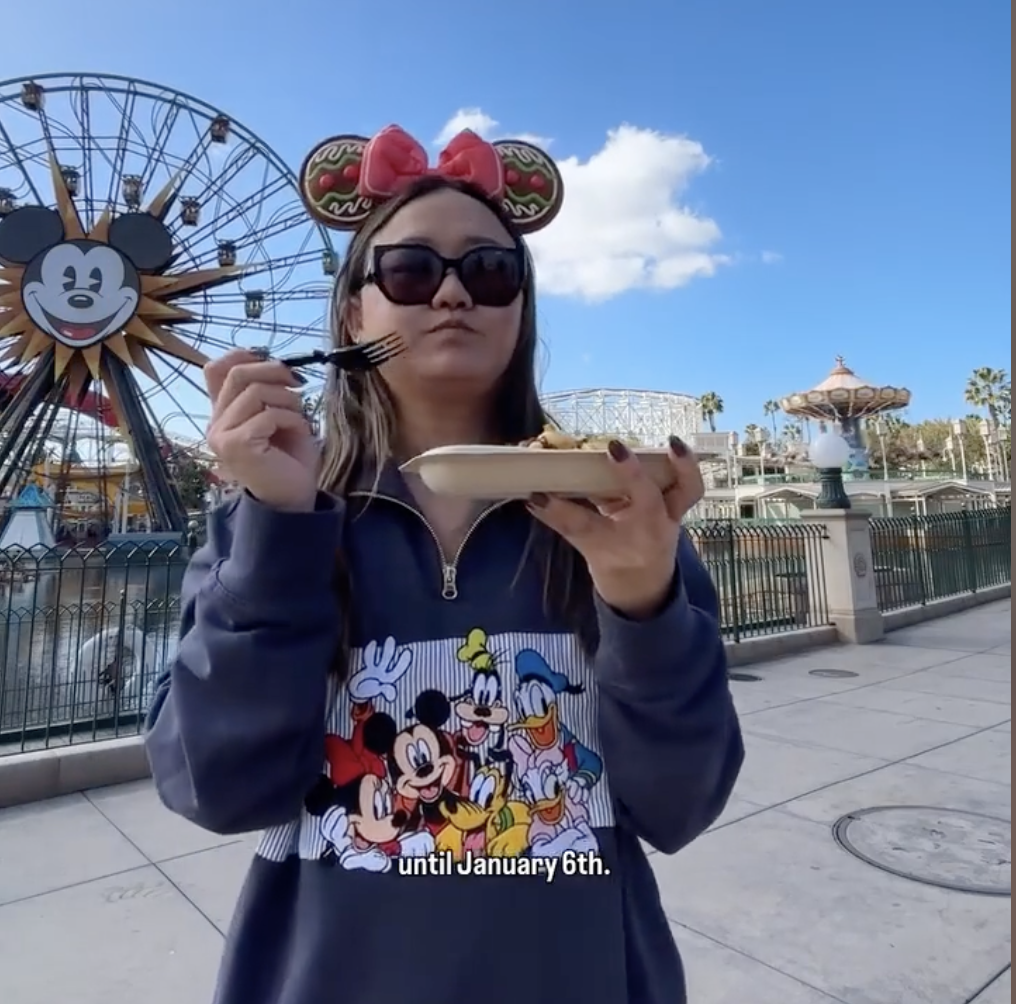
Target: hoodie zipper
(449,569)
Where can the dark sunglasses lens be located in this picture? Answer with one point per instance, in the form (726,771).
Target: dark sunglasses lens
(492,276)
(409,275)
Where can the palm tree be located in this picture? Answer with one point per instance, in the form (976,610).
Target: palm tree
(711,405)
(752,440)
(771,409)
(989,389)
(1005,405)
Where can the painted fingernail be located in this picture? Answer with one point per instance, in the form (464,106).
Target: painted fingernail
(539,500)
(678,446)
(617,450)
(298,378)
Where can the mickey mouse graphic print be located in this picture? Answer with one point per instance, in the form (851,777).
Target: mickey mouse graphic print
(471,747)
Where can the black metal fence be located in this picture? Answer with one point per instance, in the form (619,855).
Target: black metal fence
(84,633)
(918,559)
(770,576)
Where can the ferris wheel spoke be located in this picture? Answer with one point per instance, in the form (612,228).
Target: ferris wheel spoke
(186,231)
(18,417)
(216,186)
(181,409)
(259,325)
(120,151)
(238,209)
(82,112)
(160,144)
(279,225)
(271,299)
(126,396)
(252,265)
(16,162)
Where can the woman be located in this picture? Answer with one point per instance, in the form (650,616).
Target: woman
(455,725)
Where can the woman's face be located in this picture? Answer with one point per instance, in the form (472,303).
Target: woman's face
(454,344)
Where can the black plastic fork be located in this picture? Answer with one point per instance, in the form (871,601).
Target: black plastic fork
(365,356)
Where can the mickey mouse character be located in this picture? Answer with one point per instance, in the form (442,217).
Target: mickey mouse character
(362,828)
(81,291)
(421,759)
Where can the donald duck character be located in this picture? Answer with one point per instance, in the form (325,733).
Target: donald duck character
(537,696)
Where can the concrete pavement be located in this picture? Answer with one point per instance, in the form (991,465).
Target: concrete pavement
(105,898)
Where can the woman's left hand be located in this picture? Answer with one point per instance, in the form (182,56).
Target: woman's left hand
(630,545)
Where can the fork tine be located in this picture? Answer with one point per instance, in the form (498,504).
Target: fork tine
(380,358)
(384,344)
(383,349)
(383,354)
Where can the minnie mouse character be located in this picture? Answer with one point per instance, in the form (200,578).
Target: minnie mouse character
(81,291)
(359,822)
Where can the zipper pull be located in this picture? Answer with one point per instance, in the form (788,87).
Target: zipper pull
(449,588)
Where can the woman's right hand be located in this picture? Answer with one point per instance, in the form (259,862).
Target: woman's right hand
(259,432)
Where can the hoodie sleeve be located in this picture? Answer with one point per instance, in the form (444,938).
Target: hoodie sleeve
(671,740)
(235,734)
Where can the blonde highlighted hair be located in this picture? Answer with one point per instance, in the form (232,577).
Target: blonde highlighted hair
(358,416)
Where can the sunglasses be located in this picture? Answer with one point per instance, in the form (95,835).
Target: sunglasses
(409,275)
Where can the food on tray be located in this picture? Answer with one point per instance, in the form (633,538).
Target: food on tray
(555,439)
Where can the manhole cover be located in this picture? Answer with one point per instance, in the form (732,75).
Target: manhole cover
(965,851)
(832,674)
(744,677)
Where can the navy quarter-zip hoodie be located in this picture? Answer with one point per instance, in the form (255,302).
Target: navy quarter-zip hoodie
(460,820)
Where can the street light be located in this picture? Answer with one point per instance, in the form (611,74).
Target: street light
(829,452)
(985,429)
(880,431)
(958,431)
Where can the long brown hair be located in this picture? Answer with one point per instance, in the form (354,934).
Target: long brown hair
(359,415)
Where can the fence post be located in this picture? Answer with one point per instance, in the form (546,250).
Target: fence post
(850,574)
(969,551)
(735,577)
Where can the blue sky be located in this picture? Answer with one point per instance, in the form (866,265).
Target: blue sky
(846,165)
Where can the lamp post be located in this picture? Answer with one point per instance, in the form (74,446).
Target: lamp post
(985,429)
(828,452)
(880,432)
(958,430)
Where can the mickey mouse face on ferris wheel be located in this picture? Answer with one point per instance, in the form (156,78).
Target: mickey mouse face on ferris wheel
(81,291)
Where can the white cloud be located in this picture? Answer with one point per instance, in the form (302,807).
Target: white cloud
(466,118)
(771,257)
(483,125)
(623,225)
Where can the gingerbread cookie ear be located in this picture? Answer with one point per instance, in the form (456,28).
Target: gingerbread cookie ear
(533,186)
(329,183)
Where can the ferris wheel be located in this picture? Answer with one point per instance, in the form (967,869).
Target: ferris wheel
(142,232)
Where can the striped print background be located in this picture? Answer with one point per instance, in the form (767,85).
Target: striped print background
(435,665)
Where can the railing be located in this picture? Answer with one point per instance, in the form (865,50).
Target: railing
(770,576)
(83,635)
(923,558)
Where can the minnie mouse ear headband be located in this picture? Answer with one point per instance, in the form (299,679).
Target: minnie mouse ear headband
(345,178)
